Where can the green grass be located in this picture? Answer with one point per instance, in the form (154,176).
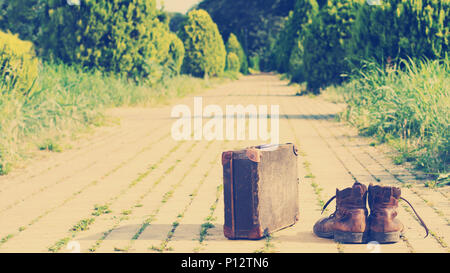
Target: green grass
(58,245)
(82,225)
(127,212)
(99,210)
(50,145)
(407,108)
(67,101)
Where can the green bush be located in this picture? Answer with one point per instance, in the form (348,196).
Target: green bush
(289,37)
(280,49)
(233,62)
(177,21)
(18,64)
(399,29)
(254,64)
(205,50)
(233,46)
(21,17)
(176,51)
(324,44)
(122,36)
(296,67)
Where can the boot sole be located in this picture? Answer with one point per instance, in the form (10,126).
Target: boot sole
(325,235)
(350,237)
(385,237)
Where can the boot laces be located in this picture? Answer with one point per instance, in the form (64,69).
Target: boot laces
(415,212)
(326,205)
(418,217)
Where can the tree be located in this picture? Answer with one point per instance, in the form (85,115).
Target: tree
(205,51)
(234,46)
(21,17)
(325,41)
(122,36)
(400,29)
(255,23)
(290,38)
(18,64)
(177,20)
(233,62)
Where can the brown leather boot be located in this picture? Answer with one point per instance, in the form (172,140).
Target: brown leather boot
(348,223)
(382,223)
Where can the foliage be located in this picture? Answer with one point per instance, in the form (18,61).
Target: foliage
(127,37)
(255,23)
(233,62)
(296,69)
(320,48)
(21,17)
(205,51)
(254,64)
(67,100)
(176,52)
(177,21)
(289,39)
(408,108)
(18,65)
(325,44)
(399,29)
(234,46)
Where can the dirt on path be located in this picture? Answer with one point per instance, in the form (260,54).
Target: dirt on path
(133,188)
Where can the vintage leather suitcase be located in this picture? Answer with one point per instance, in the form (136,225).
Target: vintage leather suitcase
(260,190)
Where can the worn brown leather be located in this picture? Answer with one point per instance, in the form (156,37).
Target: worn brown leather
(383,204)
(260,190)
(350,215)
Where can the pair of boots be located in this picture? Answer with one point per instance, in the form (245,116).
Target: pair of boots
(350,223)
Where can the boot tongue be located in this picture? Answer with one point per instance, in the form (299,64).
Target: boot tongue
(385,195)
(396,192)
(352,197)
(359,189)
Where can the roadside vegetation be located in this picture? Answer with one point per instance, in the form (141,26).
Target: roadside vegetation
(407,108)
(68,101)
(62,66)
(389,62)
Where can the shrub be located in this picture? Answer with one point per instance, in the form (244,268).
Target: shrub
(18,64)
(296,67)
(233,62)
(176,51)
(121,36)
(21,17)
(177,21)
(324,44)
(289,38)
(399,29)
(280,47)
(205,50)
(233,46)
(254,64)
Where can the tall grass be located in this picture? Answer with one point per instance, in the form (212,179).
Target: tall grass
(66,101)
(407,107)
